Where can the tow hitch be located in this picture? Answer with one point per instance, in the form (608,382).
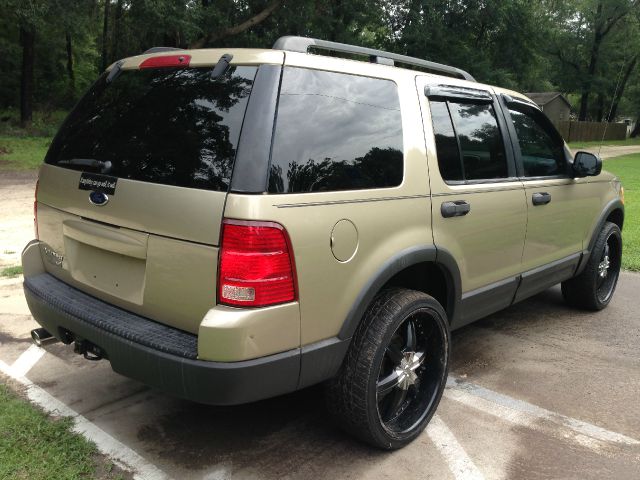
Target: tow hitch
(88,350)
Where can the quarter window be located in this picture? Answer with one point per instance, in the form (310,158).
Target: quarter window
(468,141)
(541,148)
(335,131)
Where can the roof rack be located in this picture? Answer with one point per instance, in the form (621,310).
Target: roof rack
(303,44)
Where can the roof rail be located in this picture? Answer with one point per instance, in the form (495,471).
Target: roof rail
(160,49)
(303,44)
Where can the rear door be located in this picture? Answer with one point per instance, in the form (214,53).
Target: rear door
(133,188)
(479,210)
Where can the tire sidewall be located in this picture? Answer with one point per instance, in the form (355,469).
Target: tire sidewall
(609,229)
(385,436)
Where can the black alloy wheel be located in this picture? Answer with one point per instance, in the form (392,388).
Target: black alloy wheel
(395,371)
(608,268)
(594,287)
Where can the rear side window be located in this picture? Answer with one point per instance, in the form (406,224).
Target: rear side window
(335,131)
(174,126)
(468,141)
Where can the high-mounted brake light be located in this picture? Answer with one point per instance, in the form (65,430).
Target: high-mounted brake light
(35,210)
(166,61)
(256,264)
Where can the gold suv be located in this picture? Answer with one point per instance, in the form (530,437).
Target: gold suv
(228,225)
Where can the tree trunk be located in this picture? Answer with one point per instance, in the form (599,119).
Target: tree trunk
(28,40)
(620,92)
(241,27)
(105,35)
(600,111)
(636,130)
(70,72)
(586,86)
(602,28)
(117,27)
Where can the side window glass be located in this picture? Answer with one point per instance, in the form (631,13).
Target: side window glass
(336,131)
(541,148)
(468,141)
(446,142)
(483,154)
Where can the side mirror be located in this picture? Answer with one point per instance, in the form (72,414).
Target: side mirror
(586,164)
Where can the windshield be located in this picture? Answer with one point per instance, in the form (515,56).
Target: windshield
(174,126)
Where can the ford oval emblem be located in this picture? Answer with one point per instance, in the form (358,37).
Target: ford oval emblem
(98,198)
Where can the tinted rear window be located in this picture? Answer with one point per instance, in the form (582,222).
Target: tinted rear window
(468,141)
(171,126)
(336,131)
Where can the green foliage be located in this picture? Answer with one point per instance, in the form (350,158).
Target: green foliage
(11,271)
(596,144)
(540,45)
(36,447)
(22,153)
(628,169)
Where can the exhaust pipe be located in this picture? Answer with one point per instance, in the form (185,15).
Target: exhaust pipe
(41,337)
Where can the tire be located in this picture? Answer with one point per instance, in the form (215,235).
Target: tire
(594,287)
(395,370)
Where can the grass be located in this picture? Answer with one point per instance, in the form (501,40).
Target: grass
(11,271)
(628,141)
(34,446)
(22,153)
(45,123)
(25,148)
(628,169)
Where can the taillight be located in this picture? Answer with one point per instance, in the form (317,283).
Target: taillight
(166,61)
(35,210)
(256,264)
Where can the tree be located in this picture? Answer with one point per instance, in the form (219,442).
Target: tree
(105,34)
(607,15)
(212,37)
(29,15)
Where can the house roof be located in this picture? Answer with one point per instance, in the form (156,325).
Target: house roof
(542,98)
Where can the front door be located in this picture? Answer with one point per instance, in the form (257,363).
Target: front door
(557,210)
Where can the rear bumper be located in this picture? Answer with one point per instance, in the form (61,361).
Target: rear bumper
(160,356)
(167,358)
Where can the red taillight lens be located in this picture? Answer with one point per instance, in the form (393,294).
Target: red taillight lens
(256,265)
(35,211)
(166,61)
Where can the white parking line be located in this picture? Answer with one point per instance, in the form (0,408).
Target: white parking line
(27,360)
(524,413)
(461,466)
(117,451)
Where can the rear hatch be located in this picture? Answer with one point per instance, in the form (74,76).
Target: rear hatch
(132,193)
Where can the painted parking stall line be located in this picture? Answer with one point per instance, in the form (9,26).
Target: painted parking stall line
(461,466)
(122,455)
(524,413)
(27,360)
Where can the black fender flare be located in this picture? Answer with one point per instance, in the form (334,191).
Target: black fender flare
(615,204)
(394,265)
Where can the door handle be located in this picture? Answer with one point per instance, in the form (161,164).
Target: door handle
(541,198)
(455,209)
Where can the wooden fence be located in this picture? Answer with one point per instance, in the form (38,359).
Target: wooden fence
(591,131)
